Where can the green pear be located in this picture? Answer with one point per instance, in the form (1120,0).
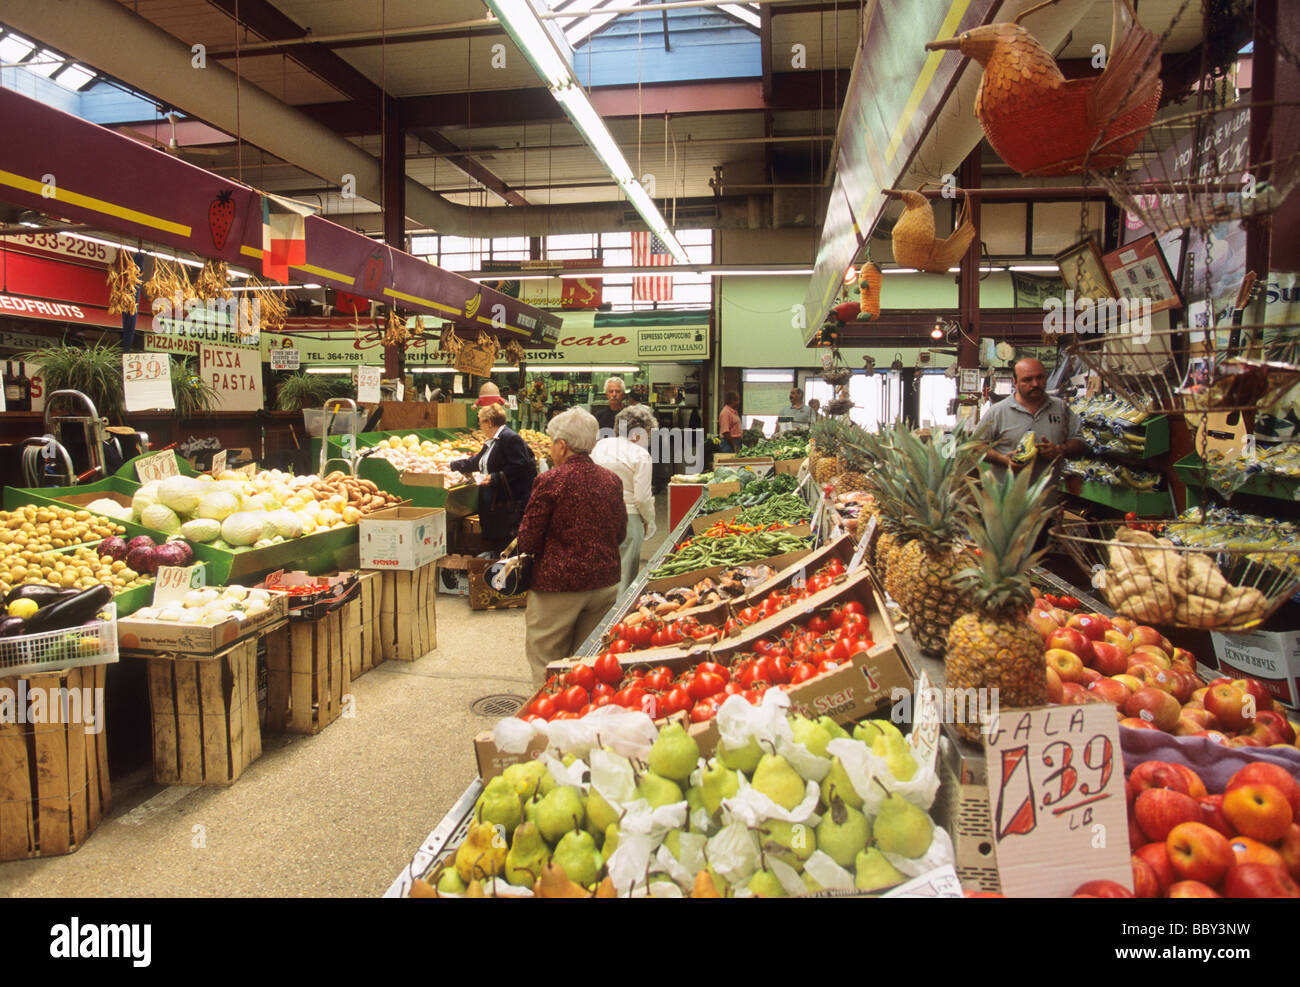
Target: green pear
(902,828)
(887,728)
(897,753)
(673,841)
(811,735)
(765,884)
(791,843)
(778,781)
(569,760)
(866,731)
(843,832)
(525,777)
(695,800)
(599,813)
(530,808)
(527,857)
(611,841)
(873,872)
(547,783)
(836,783)
(559,812)
(836,731)
(499,805)
(719,882)
(450,882)
(658,790)
(578,855)
(811,883)
(742,758)
(674,754)
(718,783)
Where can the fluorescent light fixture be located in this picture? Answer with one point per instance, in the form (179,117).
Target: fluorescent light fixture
(1034,268)
(328,370)
(749,274)
(530,35)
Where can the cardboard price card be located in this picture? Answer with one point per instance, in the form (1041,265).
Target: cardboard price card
(285,358)
(1056,799)
(218,462)
(147,381)
(927,721)
(173,582)
(368,385)
(157,467)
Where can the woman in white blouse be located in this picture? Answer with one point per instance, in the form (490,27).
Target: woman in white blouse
(626,455)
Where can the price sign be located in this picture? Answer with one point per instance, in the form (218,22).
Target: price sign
(458,384)
(368,385)
(249,471)
(285,358)
(157,467)
(218,462)
(1056,799)
(174,581)
(513,402)
(147,381)
(927,721)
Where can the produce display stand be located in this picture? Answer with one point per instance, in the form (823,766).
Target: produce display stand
(1191,470)
(449,832)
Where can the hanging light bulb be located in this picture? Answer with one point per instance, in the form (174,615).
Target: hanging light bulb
(937,332)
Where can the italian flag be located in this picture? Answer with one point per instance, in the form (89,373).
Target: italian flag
(284,236)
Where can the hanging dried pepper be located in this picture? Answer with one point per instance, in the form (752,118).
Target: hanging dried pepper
(123,282)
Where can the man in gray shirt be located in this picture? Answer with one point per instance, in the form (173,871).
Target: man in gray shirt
(1030,408)
(794,415)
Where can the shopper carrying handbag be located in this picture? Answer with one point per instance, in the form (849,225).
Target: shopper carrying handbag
(506,468)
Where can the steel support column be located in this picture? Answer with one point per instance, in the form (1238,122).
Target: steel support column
(394,204)
(968,281)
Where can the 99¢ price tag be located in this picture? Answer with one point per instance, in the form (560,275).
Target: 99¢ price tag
(157,467)
(173,582)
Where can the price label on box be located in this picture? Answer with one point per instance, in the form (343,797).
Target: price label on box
(174,581)
(218,462)
(1056,799)
(147,381)
(368,385)
(157,467)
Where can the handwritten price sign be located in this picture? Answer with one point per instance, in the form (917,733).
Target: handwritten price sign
(174,581)
(157,467)
(147,381)
(927,721)
(218,462)
(1056,799)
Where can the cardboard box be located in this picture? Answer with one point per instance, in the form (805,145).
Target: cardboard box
(788,465)
(1273,657)
(777,562)
(724,489)
(491,762)
(454,414)
(136,634)
(481,594)
(453,574)
(706,521)
(403,538)
(962,808)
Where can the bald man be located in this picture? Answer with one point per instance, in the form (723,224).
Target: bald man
(1030,408)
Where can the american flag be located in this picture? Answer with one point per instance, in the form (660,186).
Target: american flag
(649,251)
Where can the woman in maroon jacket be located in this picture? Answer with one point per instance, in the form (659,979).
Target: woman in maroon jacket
(572,528)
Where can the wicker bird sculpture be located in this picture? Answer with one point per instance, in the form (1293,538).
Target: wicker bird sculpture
(1039,122)
(915,244)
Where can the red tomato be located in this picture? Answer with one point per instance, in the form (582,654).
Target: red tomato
(636,673)
(602,689)
(574,698)
(532,717)
(765,669)
(732,689)
(545,707)
(675,633)
(837,616)
(826,665)
(585,710)
(750,615)
(583,675)
(772,604)
(1068,603)
(839,650)
(642,635)
(704,711)
(706,684)
(603,700)
(782,669)
(675,700)
(853,606)
(763,645)
(630,697)
(715,668)
(854,625)
(781,651)
(607,668)
(618,630)
(787,632)
(753,697)
(861,645)
(650,706)
(620,646)
(803,672)
(818,624)
(564,714)
(658,680)
(746,675)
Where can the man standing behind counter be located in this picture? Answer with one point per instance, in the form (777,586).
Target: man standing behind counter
(1029,408)
(604,414)
(794,415)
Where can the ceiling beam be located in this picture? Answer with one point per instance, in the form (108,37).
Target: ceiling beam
(457,156)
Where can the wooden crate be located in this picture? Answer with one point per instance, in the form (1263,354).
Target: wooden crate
(205,718)
(54,787)
(307,675)
(407,619)
(369,652)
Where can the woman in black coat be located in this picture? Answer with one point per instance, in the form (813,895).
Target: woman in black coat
(509,468)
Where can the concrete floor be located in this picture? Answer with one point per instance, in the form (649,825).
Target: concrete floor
(338,814)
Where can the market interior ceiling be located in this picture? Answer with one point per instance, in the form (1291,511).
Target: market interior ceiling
(731,106)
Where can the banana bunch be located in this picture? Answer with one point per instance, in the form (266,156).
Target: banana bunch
(1280,460)
(1027,450)
(1111,474)
(1108,410)
(1115,441)
(1267,540)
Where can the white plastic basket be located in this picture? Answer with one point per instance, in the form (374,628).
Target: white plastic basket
(93,643)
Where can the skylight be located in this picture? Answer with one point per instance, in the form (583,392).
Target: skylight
(75,77)
(44,63)
(580,19)
(14,48)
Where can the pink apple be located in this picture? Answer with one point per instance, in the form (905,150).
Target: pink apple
(1154,705)
(1108,658)
(1133,723)
(1088,676)
(1073,694)
(1069,639)
(1090,625)
(1153,654)
(1043,622)
(1130,682)
(1054,687)
(1123,624)
(1110,690)
(1143,634)
(1068,664)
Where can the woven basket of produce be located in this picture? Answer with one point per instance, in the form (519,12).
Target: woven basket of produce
(1188,573)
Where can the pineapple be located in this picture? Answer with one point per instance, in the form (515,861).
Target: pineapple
(994,646)
(932,487)
(824,435)
(854,461)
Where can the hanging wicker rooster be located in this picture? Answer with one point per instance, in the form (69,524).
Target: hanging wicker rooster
(915,244)
(1041,124)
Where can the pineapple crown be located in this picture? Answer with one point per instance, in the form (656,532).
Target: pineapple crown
(1004,518)
(927,485)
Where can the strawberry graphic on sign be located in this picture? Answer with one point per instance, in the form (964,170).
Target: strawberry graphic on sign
(221,217)
(373,272)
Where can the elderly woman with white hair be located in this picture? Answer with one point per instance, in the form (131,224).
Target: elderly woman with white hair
(626,455)
(572,527)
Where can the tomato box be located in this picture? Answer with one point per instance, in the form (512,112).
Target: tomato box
(403,538)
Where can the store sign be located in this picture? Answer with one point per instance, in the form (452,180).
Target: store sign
(235,373)
(24,340)
(661,344)
(63,245)
(556,292)
(188,338)
(286,358)
(625,344)
(1056,799)
(38,308)
(368,385)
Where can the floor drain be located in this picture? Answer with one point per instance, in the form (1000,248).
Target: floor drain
(502,704)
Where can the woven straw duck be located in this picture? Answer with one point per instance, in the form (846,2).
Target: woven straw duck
(915,244)
(1041,124)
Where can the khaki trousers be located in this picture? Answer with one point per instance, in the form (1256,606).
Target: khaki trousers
(629,553)
(555,624)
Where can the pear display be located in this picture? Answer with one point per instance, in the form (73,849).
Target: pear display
(560,811)
(903,828)
(778,781)
(843,833)
(499,805)
(872,872)
(578,855)
(674,754)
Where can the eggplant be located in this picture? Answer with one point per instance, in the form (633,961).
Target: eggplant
(37,592)
(70,612)
(11,626)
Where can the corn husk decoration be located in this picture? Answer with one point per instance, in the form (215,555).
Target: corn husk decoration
(123,283)
(869,284)
(170,281)
(272,304)
(514,352)
(395,333)
(915,244)
(214,280)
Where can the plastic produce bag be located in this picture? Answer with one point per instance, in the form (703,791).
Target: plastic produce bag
(612,777)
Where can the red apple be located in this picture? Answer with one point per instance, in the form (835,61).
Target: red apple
(1153,654)
(1188,728)
(1123,624)
(1074,694)
(1192,889)
(1289,850)
(1158,774)
(1199,853)
(1248,851)
(1184,683)
(1054,692)
(1265,734)
(1182,656)
(1168,680)
(1257,810)
(1144,635)
(1103,889)
(1088,676)
(1151,704)
(1130,682)
(1159,810)
(1144,671)
(1212,814)
(1090,625)
(1256,688)
(1068,665)
(1281,726)
(1267,773)
(1136,838)
(1119,639)
(1109,659)
(1243,740)
(1145,882)
(1133,723)
(1259,881)
(1044,622)
(1069,639)
(1202,716)
(1109,690)
(1198,695)
(1155,856)
(1195,786)
(1228,706)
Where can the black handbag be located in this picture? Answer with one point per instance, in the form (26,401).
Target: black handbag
(511,575)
